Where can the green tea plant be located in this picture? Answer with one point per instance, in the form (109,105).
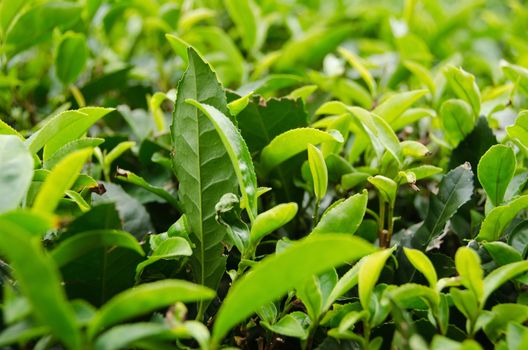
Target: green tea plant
(216,174)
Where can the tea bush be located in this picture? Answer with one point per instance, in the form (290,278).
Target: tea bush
(263,174)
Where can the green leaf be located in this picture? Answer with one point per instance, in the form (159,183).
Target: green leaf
(502,315)
(519,131)
(455,189)
(499,218)
(9,9)
(394,106)
(170,248)
(464,86)
(386,187)
(70,147)
(355,62)
(310,48)
(293,325)
(238,153)
(144,299)
(381,134)
(71,57)
(495,171)
(245,14)
(121,337)
(414,149)
(39,280)
(467,264)
(271,220)
(262,120)
(318,170)
(501,275)
(421,262)
(130,177)
(63,128)
(116,152)
(406,294)
(292,142)
(348,281)
(466,302)
(502,253)
(282,272)
(424,171)
(16,171)
(516,336)
(369,273)
(517,74)
(61,178)
(238,105)
(457,120)
(37,24)
(83,242)
(345,217)
(202,167)
(21,332)
(423,74)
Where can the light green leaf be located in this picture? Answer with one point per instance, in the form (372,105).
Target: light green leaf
(271,220)
(495,171)
(282,272)
(293,325)
(39,280)
(245,15)
(238,153)
(414,149)
(423,74)
(170,248)
(369,273)
(517,74)
(63,128)
(71,57)
(499,218)
(179,46)
(502,253)
(144,299)
(394,106)
(70,147)
(203,168)
(238,105)
(318,170)
(464,86)
(406,294)
(386,187)
(37,24)
(9,9)
(467,263)
(345,217)
(457,120)
(61,178)
(422,263)
(16,171)
(292,142)
(516,336)
(356,62)
(84,242)
(519,131)
(424,171)
(501,275)
(120,337)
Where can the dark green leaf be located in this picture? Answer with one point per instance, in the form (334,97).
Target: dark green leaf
(455,189)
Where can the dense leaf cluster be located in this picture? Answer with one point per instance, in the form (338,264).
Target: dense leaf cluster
(263,174)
